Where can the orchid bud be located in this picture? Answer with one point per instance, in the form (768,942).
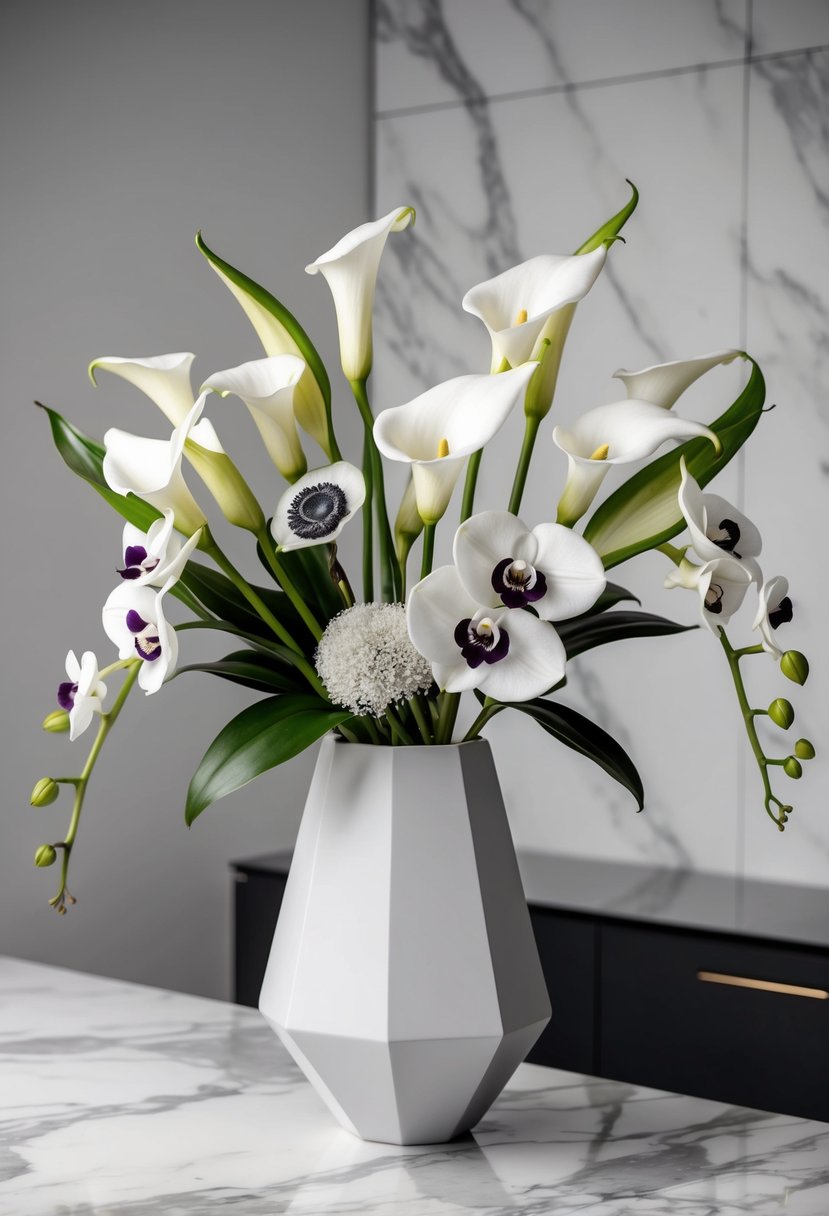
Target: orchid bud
(793,768)
(57,722)
(46,855)
(804,750)
(795,666)
(781,713)
(45,792)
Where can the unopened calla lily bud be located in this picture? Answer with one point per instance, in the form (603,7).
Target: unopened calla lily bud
(57,722)
(781,713)
(795,666)
(408,525)
(46,855)
(804,750)
(224,481)
(45,792)
(793,768)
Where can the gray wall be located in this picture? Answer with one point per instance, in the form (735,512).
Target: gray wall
(125,128)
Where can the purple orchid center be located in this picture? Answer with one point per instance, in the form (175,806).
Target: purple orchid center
(136,562)
(66,695)
(518,583)
(147,642)
(726,536)
(481,641)
(714,599)
(782,614)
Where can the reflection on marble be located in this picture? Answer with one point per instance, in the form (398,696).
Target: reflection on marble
(133,1101)
(498,173)
(795,25)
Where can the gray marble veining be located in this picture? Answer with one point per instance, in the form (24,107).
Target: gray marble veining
(133,1101)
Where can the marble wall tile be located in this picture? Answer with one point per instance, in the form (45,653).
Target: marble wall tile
(787,477)
(432,53)
(785,25)
(498,184)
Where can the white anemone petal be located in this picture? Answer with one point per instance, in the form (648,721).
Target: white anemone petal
(316,508)
(165,379)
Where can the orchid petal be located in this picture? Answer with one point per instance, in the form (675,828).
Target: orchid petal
(350,268)
(89,691)
(708,513)
(535,663)
(268,388)
(481,542)
(721,585)
(574,571)
(663,383)
(535,289)
(165,379)
(316,508)
(769,596)
(434,607)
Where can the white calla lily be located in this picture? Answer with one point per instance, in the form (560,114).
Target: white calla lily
(316,508)
(435,432)
(502,563)
(350,268)
(721,585)
(507,653)
(516,306)
(716,527)
(151,469)
(774,609)
(133,619)
(629,430)
(268,388)
(165,379)
(82,694)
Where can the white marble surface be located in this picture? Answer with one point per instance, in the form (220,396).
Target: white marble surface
(130,1101)
(512,134)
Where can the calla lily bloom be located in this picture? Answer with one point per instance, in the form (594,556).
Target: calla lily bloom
(773,610)
(82,695)
(268,387)
(721,585)
(152,558)
(716,527)
(629,430)
(316,508)
(517,305)
(165,379)
(436,431)
(350,269)
(509,654)
(151,469)
(501,563)
(133,619)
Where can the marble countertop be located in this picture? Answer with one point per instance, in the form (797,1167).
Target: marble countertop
(122,1099)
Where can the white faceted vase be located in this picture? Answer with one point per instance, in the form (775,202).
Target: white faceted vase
(403,977)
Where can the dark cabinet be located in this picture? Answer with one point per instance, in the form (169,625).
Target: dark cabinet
(676,981)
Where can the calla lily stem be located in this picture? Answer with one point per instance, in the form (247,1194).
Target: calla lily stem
(428,550)
(531,426)
(449,704)
(286,582)
(368,522)
(421,718)
(389,569)
(470,485)
(480,722)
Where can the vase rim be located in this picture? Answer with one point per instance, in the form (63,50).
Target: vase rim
(406,747)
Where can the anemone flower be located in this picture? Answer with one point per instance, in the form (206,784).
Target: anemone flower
(316,508)
(165,379)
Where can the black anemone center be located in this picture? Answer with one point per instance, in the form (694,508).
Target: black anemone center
(316,511)
(714,599)
(518,583)
(726,535)
(782,614)
(481,642)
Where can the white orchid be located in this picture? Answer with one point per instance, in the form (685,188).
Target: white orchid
(721,585)
(716,527)
(502,563)
(165,379)
(316,508)
(517,305)
(435,432)
(268,388)
(507,653)
(774,609)
(350,269)
(82,695)
(133,619)
(151,469)
(150,557)
(631,429)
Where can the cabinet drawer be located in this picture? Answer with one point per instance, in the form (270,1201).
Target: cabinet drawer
(567,948)
(738,1021)
(258,898)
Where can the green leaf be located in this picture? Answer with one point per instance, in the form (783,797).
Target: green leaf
(585,737)
(613,594)
(259,738)
(219,596)
(584,633)
(85,457)
(252,671)
(644,511)
(613,226)
(308,568)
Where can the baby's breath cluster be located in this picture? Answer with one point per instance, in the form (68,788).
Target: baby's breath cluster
(366,659)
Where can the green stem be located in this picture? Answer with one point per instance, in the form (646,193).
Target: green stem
(676,555)
(483,717)
(287,583)
(108,720)
(421,718)
(389,568)
(428,549)
(531,426)
(397,726)
(368,522)
(448,713)
(469,486)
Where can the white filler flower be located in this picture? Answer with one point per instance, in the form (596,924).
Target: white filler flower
(366,659)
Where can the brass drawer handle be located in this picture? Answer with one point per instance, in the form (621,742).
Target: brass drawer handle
(743,981)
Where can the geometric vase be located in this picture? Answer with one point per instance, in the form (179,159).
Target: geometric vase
(404,977)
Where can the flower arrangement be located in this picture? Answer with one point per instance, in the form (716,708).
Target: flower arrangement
(518,602)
